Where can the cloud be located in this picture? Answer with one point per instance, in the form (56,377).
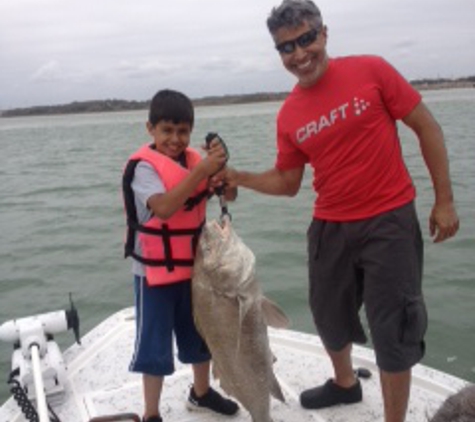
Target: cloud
(148,68)
(50,71)
(125,49)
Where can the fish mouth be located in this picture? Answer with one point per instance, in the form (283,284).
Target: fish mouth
(215,233)
(221,227)
(213,243)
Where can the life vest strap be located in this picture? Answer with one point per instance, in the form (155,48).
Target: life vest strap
(164,231)
(167,247)
(162,262)
(193,201)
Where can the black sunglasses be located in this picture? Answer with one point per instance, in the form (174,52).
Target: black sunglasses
(307,38)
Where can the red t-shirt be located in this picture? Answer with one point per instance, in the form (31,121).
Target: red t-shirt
(345,127)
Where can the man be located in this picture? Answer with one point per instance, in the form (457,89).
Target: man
(364,243)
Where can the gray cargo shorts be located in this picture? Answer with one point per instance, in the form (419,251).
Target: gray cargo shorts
(376,262)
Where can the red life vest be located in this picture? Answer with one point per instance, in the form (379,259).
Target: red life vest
(168,247)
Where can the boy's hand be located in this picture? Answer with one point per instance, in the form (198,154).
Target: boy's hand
(217,181)
(216,158)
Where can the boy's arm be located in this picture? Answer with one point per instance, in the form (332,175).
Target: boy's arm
(166,204)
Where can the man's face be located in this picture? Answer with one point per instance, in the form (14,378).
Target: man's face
(303,54)
(170,139)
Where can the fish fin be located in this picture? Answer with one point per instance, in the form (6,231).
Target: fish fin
(275,389)
(215,371)
(226,387)
(273,315)
(244,305)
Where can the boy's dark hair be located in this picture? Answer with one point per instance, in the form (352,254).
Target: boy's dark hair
(171,106)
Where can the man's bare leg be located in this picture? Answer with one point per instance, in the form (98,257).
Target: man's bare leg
(396,387)
(343,367)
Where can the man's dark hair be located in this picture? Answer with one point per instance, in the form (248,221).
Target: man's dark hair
(292,14)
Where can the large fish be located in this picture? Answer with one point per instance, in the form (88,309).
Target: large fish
(459,407)
(232,316)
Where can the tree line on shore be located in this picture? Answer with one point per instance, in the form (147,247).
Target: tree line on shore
(111,105)
(95,106)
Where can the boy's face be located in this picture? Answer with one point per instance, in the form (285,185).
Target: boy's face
(170,139)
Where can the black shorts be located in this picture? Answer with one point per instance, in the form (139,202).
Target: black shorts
(376,262)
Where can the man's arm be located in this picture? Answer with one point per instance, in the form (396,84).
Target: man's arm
(443,222)
(270,182)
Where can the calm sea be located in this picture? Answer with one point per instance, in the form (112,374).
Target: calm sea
(62,222)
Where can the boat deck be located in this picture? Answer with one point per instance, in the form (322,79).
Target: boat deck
(100,384)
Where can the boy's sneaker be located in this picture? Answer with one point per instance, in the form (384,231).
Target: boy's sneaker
(212,401)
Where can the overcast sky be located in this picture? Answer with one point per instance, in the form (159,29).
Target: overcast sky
(58,51)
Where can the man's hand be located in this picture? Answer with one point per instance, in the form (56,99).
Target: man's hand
(443,222)
(217,180)
(230,177)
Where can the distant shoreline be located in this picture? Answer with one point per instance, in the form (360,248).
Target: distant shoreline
(113,105)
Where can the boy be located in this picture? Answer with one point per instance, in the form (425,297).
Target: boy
(165,187)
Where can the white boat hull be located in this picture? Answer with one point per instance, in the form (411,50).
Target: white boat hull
(99,382)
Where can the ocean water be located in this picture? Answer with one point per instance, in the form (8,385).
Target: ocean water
(62,222)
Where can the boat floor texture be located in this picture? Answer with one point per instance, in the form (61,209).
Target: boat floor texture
(100,384)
